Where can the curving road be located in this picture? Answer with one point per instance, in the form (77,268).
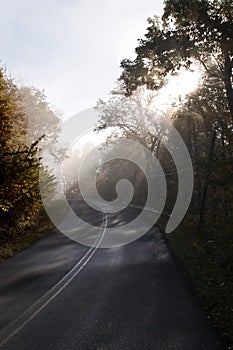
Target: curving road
(59,295)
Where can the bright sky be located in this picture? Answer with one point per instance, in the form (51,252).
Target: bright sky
(71,48)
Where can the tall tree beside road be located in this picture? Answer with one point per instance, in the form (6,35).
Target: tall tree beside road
(41,120)
(19,165)
(191,30)
(198,34)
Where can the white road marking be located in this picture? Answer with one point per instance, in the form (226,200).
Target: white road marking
(17,325)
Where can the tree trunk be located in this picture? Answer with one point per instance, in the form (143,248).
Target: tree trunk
(206,185)
(228,81)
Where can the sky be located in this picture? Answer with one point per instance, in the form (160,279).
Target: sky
(71,48)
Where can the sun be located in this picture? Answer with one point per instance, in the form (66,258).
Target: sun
(184,83)
(179,86)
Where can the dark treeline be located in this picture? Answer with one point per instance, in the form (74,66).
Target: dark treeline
(193,34)
(204,118)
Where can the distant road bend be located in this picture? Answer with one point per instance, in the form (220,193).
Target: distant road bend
(60,295)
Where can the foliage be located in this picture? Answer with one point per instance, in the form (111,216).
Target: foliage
(200,32)
(131,117)
(210,266)
(191,30)
(41,120)
(20,164)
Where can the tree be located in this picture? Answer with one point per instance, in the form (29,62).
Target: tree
(19,165)
(131,117)
(209,25)
(41,120)
(207,122)
(191,30)
(8,109)
(194,31)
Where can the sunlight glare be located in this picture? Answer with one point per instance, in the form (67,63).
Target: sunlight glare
(178,87)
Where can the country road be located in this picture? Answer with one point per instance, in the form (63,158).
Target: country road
(60,295)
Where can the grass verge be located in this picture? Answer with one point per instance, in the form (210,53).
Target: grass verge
(24,239)
(208,261)
(42,227)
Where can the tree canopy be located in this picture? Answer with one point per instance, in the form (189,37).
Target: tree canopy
(190,31)
(192,34)
(20,163)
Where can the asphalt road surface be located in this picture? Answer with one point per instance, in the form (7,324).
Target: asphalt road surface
(59,295)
